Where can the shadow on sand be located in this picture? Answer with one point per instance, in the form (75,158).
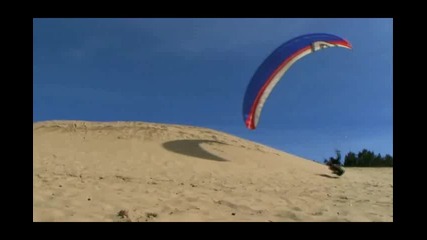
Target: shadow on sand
(327,176)
(192,148)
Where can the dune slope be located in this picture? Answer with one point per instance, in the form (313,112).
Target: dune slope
(137,171)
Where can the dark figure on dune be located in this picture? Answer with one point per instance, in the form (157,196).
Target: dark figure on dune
(335,164)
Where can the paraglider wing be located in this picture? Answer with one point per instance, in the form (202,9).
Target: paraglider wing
(275,66)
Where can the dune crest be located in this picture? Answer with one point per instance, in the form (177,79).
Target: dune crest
(138,171)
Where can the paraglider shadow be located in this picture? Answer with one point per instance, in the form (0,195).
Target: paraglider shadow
(327,176)
(192,148)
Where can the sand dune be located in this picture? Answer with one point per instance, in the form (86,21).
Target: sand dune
(136,171)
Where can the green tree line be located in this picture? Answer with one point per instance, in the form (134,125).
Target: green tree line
(364,158)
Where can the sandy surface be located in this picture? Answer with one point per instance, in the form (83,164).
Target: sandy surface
(135,171)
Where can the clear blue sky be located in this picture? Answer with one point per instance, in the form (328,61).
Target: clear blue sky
(195,72)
